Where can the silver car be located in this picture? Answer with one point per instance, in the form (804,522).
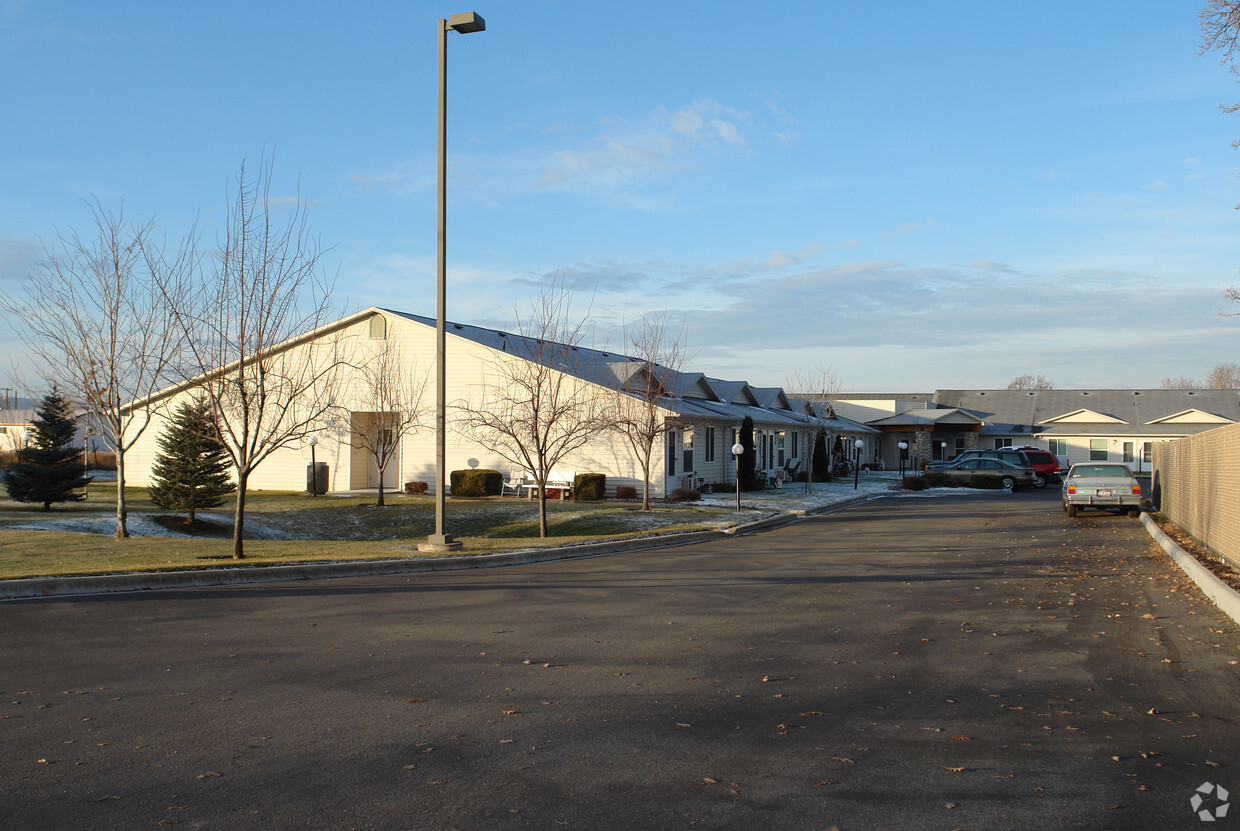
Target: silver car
(1102,485)
(1012,476)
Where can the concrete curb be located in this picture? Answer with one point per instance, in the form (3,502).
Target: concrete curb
(1223,595)
(39,587)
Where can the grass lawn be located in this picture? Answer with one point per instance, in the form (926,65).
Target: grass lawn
(284,527)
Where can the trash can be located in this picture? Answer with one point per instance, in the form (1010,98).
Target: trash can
(316,478)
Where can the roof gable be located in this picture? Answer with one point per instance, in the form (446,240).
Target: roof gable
(1192,416)
(1083,416)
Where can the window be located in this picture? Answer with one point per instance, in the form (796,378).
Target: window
(1098,450)
(1059,447)
(795,455)
(779,448)
(671,453)
(1002,443)
(1130,452)
(687,445)
(959,446)
(709,450)
(1147,451)
(378,327)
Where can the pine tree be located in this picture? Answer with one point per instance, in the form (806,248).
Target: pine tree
(191,470)
(748,459)
(49,468)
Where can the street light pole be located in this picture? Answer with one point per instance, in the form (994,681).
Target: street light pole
(857,463)
(314,468)
(464,23)
(737,450)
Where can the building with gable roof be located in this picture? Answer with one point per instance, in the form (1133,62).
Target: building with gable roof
(1118,425)
(703,414)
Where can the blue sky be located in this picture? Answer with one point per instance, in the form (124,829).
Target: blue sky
(921,195)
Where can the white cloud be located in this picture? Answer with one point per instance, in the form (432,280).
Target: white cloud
(629,165)
(636,153)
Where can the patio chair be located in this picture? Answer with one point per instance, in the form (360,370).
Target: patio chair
(513,483)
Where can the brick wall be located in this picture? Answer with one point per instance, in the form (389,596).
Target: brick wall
(1197,484)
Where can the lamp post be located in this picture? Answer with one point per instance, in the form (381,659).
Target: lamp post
(737,450)
(465,23)
(857,464)
(903,456)
(943,450)
(314,468)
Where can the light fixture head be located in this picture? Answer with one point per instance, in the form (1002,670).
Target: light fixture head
(858,444)
(314,440)
(738,449)
(467,22)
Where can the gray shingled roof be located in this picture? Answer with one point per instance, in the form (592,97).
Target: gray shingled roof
(1017,411)
(605,368)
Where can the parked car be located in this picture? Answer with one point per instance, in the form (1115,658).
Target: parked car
(1102,485)
(1013,456)
(1014,476)
(1044,463)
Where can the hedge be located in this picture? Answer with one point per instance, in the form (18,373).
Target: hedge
(589,487)
(477,482)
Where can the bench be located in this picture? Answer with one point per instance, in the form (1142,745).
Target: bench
(561,480)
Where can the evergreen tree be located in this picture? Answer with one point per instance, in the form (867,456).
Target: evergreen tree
(748,459)
(49,468)
(191,470)
(822,462)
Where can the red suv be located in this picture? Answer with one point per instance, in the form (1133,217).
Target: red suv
(1044,463)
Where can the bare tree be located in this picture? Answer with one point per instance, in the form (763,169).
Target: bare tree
(1224,377)
(95,318)
(394,392)
(1220,32)
(643,384)
(1181,382)
(534,408)
(252,326)
(824,384)
(1028,382)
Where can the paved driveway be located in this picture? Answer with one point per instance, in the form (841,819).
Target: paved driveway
(944,662)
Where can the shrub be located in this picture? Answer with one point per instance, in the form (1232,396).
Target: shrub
(476,482)
(589,487)
(937,479)
(684,495)
(986,481)
(915,483)
(415,488)
(626,492)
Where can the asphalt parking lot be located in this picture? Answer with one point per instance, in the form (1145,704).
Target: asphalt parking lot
(973,661)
